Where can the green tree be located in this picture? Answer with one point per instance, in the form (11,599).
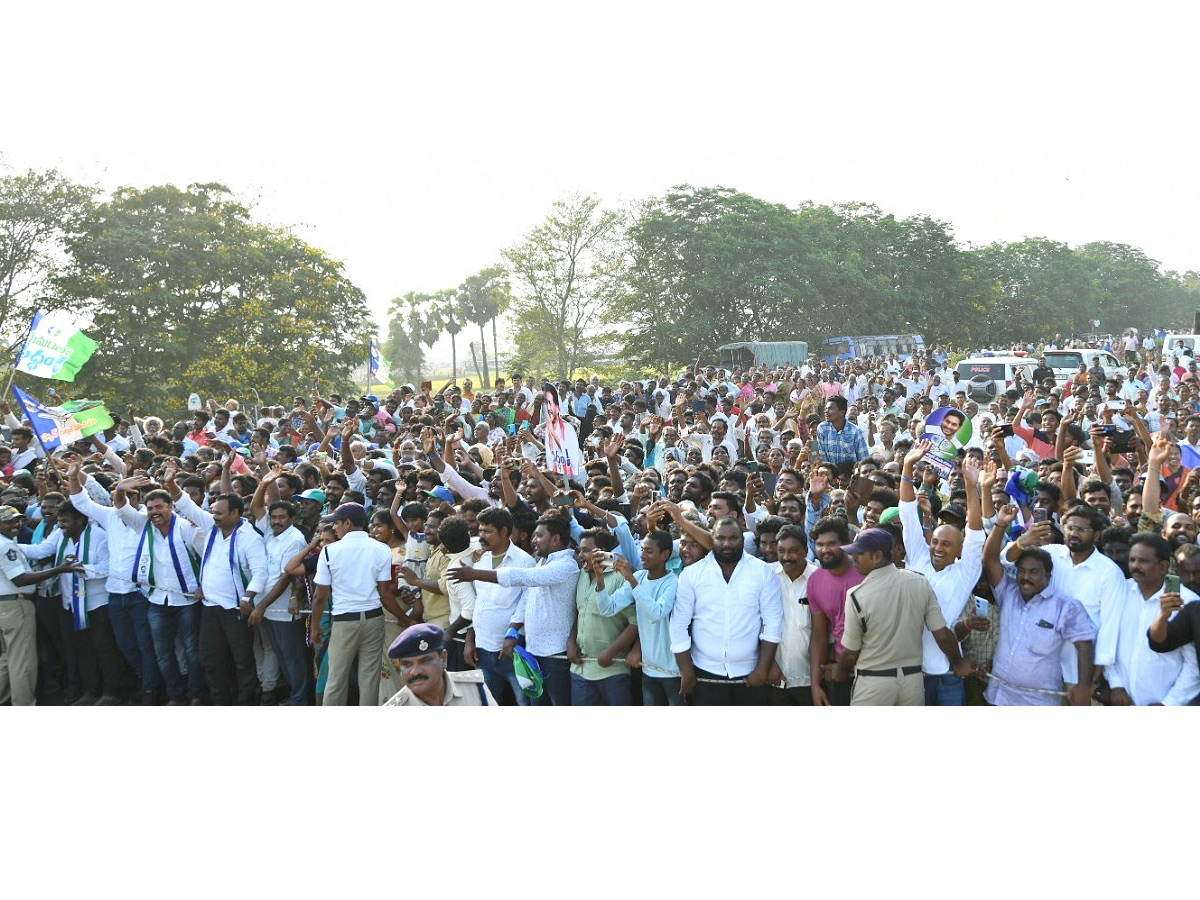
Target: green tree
(189,294)
(1133,290)
(39,211)
(1045,288)
(714,265)
(566,272)
(409,331)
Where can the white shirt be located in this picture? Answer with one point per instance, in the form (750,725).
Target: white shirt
(13,564)
(1172,678)
(495,604)
(279,549)
(95,568)
(726,618)
(953,585)
(122,541)
(547,605)
(353,568)
(220,584)
(461,593)
(792,655)
(1099,584)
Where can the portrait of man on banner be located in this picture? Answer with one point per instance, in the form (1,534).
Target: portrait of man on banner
(949,430)
(562,440)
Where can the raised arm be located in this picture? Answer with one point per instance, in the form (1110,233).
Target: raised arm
(992,566)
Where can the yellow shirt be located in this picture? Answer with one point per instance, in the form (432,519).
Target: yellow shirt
(436,603)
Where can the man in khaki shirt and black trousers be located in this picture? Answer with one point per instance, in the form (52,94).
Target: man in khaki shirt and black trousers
(884,619)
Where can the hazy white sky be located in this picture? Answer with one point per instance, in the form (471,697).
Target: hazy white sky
(414,145)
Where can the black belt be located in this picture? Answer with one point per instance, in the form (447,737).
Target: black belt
(369,614)
(16,597)
(888,673)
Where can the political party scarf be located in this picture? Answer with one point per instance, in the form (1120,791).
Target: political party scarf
(143,559)
(235,566)
(79,615)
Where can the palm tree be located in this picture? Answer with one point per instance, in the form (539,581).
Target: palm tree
(448,315)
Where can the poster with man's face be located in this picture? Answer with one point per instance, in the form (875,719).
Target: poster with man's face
(949,430)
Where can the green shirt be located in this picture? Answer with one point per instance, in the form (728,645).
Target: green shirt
(595,633)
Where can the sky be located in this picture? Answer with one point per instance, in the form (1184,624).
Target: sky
(414,145)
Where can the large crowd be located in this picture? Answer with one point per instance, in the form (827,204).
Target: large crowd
(783,535)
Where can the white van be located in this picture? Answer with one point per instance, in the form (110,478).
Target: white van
(1175,343)
(985,376)
(1065,363)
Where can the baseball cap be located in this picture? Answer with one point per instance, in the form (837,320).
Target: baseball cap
(869,540)
(354,513)
(441,493)
(954,511)
(314,495)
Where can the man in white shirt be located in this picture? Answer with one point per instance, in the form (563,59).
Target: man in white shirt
(85,604)
(128,606)
(791,677)
(951,561)
(1085,574)
(233,571)
(165,568)
(547,606)
(1139,676)
(495,605)
(275,613)
(355,575)
(454,536)
(726,623)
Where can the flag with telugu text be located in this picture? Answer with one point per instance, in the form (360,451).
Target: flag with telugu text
(56,347)
(57,426)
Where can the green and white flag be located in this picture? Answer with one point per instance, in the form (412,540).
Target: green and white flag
(380,370)
(56,347)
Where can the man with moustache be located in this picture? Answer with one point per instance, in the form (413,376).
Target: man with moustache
(726,623)
(1036,621)
(791,675)
(827,605)
(1085,574)
(1141,675)
(419,655)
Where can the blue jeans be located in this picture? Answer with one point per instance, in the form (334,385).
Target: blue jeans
(945,690)
(556,681)
(288,640)
(127,612)
(660,691)
(611,691)
(498,672)
(165,622)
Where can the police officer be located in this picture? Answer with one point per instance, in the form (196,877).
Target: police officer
(18,624)
(419,653)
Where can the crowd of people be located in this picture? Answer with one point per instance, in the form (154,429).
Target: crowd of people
(775,536)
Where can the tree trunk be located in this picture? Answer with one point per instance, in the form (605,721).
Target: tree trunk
(453,358)
(495,348)
(487,381)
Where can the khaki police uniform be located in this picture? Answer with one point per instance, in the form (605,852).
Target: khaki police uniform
(462,689)
(885,616)
(18,628)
